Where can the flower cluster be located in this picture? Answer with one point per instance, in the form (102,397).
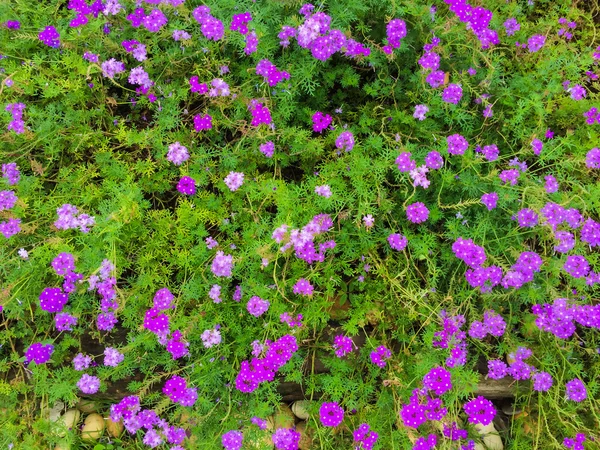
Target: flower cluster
(176,389)
(289,319)
(345,141)
(112,357)
(251,43)
(342,345)
(239,22)
(397,241)
(467,251)
(303,240)
(10,227)
(11,173)
(187,185)
(457,144)
(50,36)
(267,149)
(480,411)
(575,390)
(177,154)
(88,384)
(561,317)
(365,437)
(38,353)
(137,49)
(417,212)
(156,321)
(260,113)
(105,285)
(8,199)
(451,336)
(69,217)
(136,419)
(527,264)
(320,121)
(222,265)
(323,191)
(331,414)
(259,370)
(380,355)
(286,439)
(493,324)
(232,440)
(17,124)
(452,93)
(234,180)
(271,73)
(575,444)
(202,122)
(536,42)
(592,158)
(395,32)
(257,306)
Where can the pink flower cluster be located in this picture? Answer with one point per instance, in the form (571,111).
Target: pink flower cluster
(17,124)
(38,353)
(156,321)
(234,180)
(272,75)
(303,240)
(211,27)
(176,389)
(69,218)
(157,430)
(137,49)
(395,32)
(177,154)
(397,241)
(417,212)
(50,36)
(260,113)
(527,264)
(187,185)
(259,370)
(257,306)
(222,265)
(320,121)
(492,324)
(105,285)
(345,141)
(451,336)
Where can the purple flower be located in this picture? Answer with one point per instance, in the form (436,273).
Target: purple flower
(438,380)
(490,200)
(232,440)
(497,369)
(379,355)
(417,212)
(323,191)
(331,414)
(251,43)
(542,381)
(112,357)
(434,160)
(202,122)
(38,353)
(112,67)
(575,390)
(50,37)
(10,172)
(267,149)
(342,345)
(592,158)
(527,218)
(413,415)
(187,185)
(397,241)
(222,265)
(234,180)
(88,384)
(452,94)
(257,306)
(303,287)
(345,141)
(286,439)
(576,266)
(551,184)
(210,338)
(65,322)
(536,42)
(480,410)
(511,26)
(81,362)
(457,144)
(320,121)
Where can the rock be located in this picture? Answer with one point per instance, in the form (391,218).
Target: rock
(92,427)
(53,414)
(284,418)
(114,429)
(70,419)
(490,436)
(86,406)
(299,409)
(306,439)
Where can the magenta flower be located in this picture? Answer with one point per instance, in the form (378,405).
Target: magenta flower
(202,122)
(417,212)
(232,440)
(345,141)
(480,410)
(331,414)
(575,390)
(234,180)
(177,154)
(222,265)
(438,380)
(592,158)
(303,287)
(342,345)
(88,384)
(257,306)
(38,353)
(452,94)
(397,241)
(187,185)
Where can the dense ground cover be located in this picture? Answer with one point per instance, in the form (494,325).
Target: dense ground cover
(389,209)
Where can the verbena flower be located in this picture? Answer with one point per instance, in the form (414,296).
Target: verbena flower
(257,306)
(210,338)
(88,384)
(417,212)
(112,357)
(81,362)
(575,390)
(380,355)
(342,345)
(267,149)
(397,241)
(187,185)
(303,287)
(38,353)
(480,410)
(452,94)
(232,440)
(50,36)
(331,414)
(234,180)
(536,42)
(286,439)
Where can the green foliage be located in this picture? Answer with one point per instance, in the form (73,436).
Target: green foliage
(92,147)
